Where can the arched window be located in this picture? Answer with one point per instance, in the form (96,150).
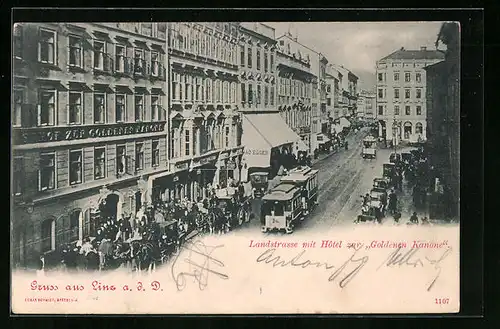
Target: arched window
(48,235)
(407,130)
(419,128)
(90,222)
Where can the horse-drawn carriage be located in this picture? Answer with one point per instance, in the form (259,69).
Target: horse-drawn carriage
(389,172)
(260,183)
(282,208)
(373,209)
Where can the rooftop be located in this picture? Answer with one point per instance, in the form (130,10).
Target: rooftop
(422,54)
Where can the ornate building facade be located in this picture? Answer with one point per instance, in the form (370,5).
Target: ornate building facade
(205,127)
(88,119)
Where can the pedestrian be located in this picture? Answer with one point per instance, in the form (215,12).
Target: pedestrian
(425,221)
(397,216)
(414,218)
(346,145)
(393,202)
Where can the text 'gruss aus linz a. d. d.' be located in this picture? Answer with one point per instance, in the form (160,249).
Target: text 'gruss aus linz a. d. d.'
(375,244)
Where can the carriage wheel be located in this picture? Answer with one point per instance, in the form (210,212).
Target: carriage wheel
(241,216)
(247,216)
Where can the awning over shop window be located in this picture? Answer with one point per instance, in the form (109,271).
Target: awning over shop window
(261,133)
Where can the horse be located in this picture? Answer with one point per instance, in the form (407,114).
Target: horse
(146,254)
(221,222)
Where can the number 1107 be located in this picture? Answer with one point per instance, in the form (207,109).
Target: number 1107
(441,301)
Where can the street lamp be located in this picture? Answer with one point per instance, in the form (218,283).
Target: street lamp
(394,133)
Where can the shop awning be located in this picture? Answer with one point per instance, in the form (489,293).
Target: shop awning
(322,138)
(261,133)
(301,146)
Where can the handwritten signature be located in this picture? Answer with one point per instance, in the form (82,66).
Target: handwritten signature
(200,269)
(269,257)
(399,257)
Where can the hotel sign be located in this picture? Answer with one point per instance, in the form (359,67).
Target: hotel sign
(58,134)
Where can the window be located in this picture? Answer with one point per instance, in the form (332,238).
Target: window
(195,141)
(75,51)
(120,55)
(419,93)
(271,63)
(418,77)
(242,56)
(74,225)
(46,47)
(226,136)
(419,110)
(328,101)
(407,110)
(47,107)
(250,93)
(75,167)
(396,93)
(99,51)
(258,58)
(155,108)
(99,163)
(139,107)
(381,93)
(380,110)
(75,107)
(18,175)
(396,76)
(380,77)
(139,61)
(99,108)
(419,128)
(139,156)
(266,95)
(48,235)
(47,172)
(186,142)
(18,41)
(243,93)
(17,107)
(271,96)
(120,107)
(258,94)
(121,154)
(155,63)
(407,77)
(266,62)
(396,110)
(407,93)
(249,57)
(155,161)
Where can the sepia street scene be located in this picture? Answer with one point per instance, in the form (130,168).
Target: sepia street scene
(130,139)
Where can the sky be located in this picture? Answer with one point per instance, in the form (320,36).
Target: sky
(357,46)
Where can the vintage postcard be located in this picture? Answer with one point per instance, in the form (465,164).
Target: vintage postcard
(235,168)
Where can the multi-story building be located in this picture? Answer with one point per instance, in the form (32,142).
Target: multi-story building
(266,136)
(401,90)
(443,125)
(366,105)
(294,89)
(88,127)
(332,92)
(205,127)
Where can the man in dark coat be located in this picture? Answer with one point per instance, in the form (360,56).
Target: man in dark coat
(393,202)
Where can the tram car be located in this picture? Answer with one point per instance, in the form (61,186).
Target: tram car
(307,179)
(281,208)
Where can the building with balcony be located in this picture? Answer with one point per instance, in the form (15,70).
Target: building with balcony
(88,127)
(366,104)
(267,138)
(205,127)
(294,90)
(401,94)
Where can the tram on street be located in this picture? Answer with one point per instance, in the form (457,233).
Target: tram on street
(306,179)
(369,147)
(281,208)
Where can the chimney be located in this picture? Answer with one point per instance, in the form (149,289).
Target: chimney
(423,48)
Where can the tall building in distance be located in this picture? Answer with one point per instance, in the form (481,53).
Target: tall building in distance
(295,88)
(205,126)
(366,104)
(88,127)
(401,94)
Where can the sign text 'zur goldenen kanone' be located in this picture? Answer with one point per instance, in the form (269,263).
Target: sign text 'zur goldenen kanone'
(44,135)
